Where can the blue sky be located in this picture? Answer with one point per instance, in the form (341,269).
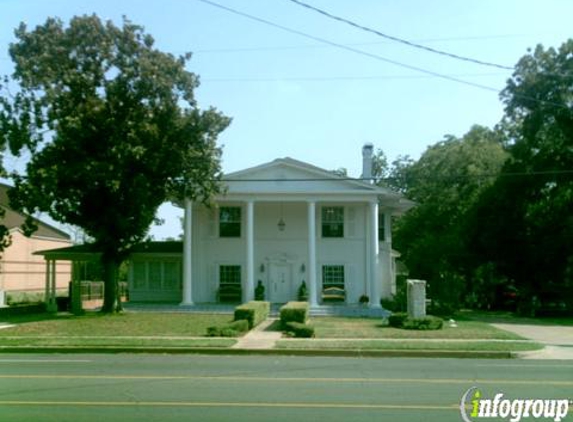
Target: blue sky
(293,96)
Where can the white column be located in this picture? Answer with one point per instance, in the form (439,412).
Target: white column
(51,286)
(312,288)
(249,292)
(373,251)
(187,299)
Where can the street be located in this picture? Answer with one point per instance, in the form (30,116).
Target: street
(132,387)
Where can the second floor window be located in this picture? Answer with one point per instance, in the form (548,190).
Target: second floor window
(230,222)
(332,221)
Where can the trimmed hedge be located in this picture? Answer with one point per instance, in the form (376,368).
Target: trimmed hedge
(427,323)
(294,312)
(255,312)
(232,329)
(299,330)
(397,319)
(401,320)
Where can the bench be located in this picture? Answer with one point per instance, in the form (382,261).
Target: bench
(333,294)
(230,293)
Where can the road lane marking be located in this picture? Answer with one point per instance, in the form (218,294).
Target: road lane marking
(233,404)
(45,361)
(297,379)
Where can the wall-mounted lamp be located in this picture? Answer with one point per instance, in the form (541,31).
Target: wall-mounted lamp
(302,268)
(281,225)
(262,268)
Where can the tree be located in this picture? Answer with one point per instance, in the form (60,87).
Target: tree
(445,182)
(114,131)
(529,210)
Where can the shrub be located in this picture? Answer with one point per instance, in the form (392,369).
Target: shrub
(299,330)
(302,292)
(294,312)
(426,323)
(260,291)
(255,312)
(396,320)
(364,299)
(232,329)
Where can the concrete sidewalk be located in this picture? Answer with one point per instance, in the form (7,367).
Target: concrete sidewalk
(558,340)
(260,337)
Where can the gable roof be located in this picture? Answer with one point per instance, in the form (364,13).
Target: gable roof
(289,176)
(13,220)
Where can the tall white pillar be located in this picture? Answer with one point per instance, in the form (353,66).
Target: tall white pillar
(312,287)
(249,292)
(51,286)
(373,251)
(187,299)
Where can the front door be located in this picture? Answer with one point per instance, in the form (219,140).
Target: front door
(280,282)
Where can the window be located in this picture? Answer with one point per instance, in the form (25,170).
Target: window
(332,221)
(381,228)
(230,222)
(332,276)
(230,275)
(157,275)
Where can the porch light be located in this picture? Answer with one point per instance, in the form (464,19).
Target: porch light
(262,268)
(281,225)
(302,268)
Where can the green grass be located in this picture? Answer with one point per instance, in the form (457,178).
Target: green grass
(509,318)
(131,329)
(357,345)
(373,328)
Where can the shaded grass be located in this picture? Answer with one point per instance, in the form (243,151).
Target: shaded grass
(113,341)
(491,346)
(371,328)
(126,324)
(510,318)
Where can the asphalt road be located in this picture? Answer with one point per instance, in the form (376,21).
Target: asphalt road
(107,388)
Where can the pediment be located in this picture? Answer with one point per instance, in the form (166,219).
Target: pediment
(288,175)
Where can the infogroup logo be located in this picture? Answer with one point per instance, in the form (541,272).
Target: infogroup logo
(474,406)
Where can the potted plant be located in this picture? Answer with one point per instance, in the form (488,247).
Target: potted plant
(364,300)
(302,292)
(260,291)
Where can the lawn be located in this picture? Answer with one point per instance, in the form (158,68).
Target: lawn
(381,344)
(128,329)
(373,328)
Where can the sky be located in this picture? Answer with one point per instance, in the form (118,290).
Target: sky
(306,86)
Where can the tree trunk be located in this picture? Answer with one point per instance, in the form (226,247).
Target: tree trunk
(111,294)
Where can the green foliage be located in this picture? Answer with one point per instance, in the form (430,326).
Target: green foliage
(294,312)
(401,320)
(397,319)
(446,182)
(254,312)
(232,329)
(525,218)
(260,291)
(302,292)
(24,298)
(102,111)
(300,330)
(426,323)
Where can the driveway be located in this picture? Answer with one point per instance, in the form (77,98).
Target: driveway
(558,340)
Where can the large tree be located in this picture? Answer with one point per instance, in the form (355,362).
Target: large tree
(445,182)
(528,213)
(113,128)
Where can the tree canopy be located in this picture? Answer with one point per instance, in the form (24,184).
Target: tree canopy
(113,128)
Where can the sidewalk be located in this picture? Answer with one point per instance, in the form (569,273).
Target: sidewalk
(261,337)
(558,340)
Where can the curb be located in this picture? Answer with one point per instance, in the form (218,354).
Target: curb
(268,352)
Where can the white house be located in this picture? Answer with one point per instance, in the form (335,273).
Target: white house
(280,224)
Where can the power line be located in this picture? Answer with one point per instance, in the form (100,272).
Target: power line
(396,39)
(347,48)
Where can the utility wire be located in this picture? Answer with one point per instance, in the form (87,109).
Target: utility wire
(348,48)
(396,39)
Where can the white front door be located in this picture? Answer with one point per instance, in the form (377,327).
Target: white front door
(280,282)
